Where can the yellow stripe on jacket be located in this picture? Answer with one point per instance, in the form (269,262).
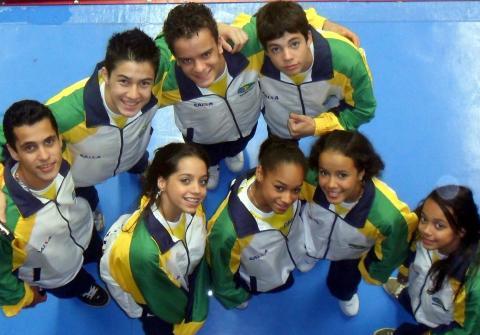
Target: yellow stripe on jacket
(119,262)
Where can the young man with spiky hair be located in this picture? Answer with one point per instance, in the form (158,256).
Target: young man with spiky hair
(47,236)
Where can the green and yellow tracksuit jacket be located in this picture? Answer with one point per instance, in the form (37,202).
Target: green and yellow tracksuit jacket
(97,145)
(247,255)
(377,230)
(207,118)
(144,265)
(43,241)
(455,308)
(337,92)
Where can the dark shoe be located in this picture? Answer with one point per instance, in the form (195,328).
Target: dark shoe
(96,296)
(393,287)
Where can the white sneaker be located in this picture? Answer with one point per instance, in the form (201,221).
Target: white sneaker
(306,265)
(384,331)
(243,305)
(350,307)
(235,163)
(213,177)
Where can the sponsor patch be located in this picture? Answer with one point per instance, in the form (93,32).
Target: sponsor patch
(203,104)
(271,97)
(44,245)
(246,88)
(258,256)
(90,156)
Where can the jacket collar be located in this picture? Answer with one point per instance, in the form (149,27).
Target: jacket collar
(158,231)
(358,215)
(235,64)
(95,112)
(322,68)
(25,201)
(243,221)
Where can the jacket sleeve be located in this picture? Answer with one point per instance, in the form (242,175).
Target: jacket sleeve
(3,142)
(314,19)
(404,268)
(124,299)
(68,108)
(352,76)
(394,223)
(309,185)
(223,255)
(14,293)
(165,81)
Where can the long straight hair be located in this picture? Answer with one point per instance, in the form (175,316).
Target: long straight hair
(461,212)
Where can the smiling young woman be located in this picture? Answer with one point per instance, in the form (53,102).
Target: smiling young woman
(353,217)
(255,237)
(153,261)
(443,291)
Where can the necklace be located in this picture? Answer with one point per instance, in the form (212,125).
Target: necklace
(170,228)
(159,206)
(251,195)
(20,182)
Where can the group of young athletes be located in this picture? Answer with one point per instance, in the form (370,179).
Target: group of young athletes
(307,76)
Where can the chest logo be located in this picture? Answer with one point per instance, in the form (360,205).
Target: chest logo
(439,303)
(271,97)
(258,256)
(90,156)
(44,245)
(246,88)
(203,104)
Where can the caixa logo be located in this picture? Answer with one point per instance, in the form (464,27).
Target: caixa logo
(202,104)
(246,88)
(271,97)
(90,156)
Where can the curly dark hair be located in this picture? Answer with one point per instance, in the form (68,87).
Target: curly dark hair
(165,163)
(352,144)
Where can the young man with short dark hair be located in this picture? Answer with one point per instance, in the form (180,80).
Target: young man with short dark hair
(48,233)
(312,81)
(215,93)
